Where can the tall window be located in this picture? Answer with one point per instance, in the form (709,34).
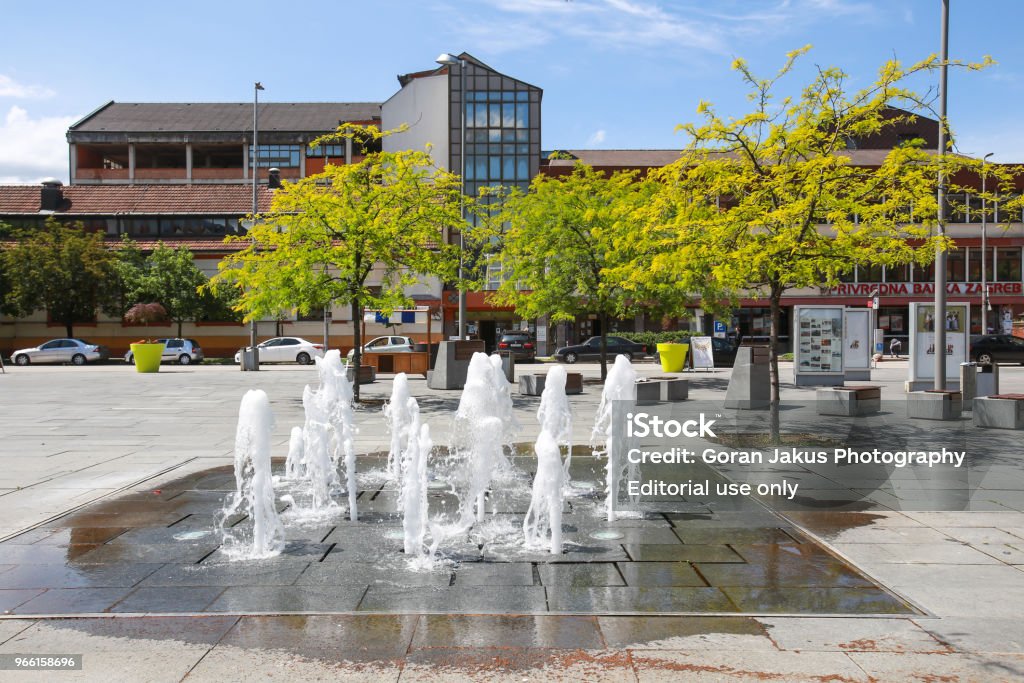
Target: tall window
(1008,264)
(497,137)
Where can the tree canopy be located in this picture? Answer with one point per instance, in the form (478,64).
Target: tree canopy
(355,234)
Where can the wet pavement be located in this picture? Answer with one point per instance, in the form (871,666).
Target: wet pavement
(158,552)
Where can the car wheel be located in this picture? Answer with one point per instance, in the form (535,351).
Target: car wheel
(131,359)
(21,359)
(78,359)
(303,359)
(570,358)
(184,359)
(985,358)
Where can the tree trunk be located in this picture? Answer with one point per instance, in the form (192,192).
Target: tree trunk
(775,303)
(604,346)
(69,329)
(179,329)
(357,339)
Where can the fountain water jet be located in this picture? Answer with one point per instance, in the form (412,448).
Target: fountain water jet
(396,413)
(254,487)
(414,483)
(544,515)
(295,464)
(554,413)
(620,385)
(335,396)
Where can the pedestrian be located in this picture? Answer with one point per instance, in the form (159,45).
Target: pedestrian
(894,347)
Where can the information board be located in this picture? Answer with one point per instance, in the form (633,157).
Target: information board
(818,349)
(922,339)
(857,339)
(702,352)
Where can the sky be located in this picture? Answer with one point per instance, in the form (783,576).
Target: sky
(616,74)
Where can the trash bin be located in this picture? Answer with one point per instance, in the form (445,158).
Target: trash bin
(988,380)
(673,357)
(508,366)
(248,360)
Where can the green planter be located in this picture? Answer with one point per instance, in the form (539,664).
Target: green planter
(147,357)
(673,357)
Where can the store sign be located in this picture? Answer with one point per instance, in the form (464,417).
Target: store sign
(856,339)
(703,355)
(923,288)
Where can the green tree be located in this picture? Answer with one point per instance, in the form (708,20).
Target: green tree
(60,268)
(171,277)
(562,245)
(128,268)
(356,234)
(773,200)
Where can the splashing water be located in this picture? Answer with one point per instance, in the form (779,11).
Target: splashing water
(414,483)
(544,515)
(555,414)
(396,413)
(254,488)
(335,395)
(620,385)
(295,463)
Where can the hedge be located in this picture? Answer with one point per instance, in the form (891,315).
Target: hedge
(652,339)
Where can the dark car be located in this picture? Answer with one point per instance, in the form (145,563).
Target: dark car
(519,345)
(997,348)
(722,350)
(591,350)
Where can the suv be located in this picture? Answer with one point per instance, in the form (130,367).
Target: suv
(519,345)
(180,351)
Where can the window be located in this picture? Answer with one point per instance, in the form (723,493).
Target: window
(1008,264)
(331,151)
(956,266)
(974,265)
(289,342)
(279,156)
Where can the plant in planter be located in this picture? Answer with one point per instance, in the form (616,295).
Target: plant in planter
(146,353)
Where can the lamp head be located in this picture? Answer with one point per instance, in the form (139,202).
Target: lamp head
(447,59)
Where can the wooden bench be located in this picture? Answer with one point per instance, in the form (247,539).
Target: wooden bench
(849,401)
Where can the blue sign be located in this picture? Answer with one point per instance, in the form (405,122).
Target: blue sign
(719,326)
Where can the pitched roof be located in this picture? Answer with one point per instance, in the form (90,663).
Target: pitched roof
(653,158)
(108,200)
(185,117)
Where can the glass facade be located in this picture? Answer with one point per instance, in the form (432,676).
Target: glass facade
(278,156)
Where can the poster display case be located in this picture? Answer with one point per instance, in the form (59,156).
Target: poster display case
(922,343)
(818,346)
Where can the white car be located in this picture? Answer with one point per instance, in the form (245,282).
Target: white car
(287,350)
(386,345)
(74,351)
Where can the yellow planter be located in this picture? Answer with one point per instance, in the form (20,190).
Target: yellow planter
(147,357)
(673,356)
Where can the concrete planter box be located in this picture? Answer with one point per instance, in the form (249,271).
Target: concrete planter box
(367,374)
(533,385)
(662,390)
(935,405)
(750,385)
(1003,411)
(452,363)
(849,401)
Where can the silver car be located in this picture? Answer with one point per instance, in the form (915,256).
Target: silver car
(180,351)
(74,351)
(386,345)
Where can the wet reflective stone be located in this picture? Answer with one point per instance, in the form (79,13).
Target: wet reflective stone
(682,553)
(510,599)
(288,599)
(507,631)
(72,601)
(780,575)
(660,574)
(494,574)
(75,576)
(363,574)
(11,598)
(705,536)
(626,599)
(116,553)
(682,632)
(816,601)
(592,574)
(167,599)
(252,573)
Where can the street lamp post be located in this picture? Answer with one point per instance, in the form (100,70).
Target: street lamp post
(451,60)
(940,254)
(255,205)
(984,246)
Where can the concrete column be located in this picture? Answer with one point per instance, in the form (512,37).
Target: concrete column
(72,162)
(348,150)
(302,162)
(188,161)
(131,162)
(245,161)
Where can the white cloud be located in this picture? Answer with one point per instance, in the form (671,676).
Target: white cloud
(597,137)
(11,88)
(33,149)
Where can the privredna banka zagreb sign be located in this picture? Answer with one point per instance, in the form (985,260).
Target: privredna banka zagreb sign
(911,289)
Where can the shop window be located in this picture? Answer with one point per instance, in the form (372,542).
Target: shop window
(924,273)
(956,266)
(974,264)
(1008,264)
(900,273)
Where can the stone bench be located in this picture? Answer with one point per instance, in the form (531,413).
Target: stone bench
(661,390)
(934,404)
(849,401)
(533,385)
(1002,411)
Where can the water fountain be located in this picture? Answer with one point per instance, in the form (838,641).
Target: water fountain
(554,413)
(295,463)
(399,419)
(620,385)
(544,515)
(254,487)
(414,484)
(335,397)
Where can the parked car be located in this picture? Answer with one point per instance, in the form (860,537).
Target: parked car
(389,344)
(591,350)
(287,350)
(74,351)
(519,345)
(997,348)
(180,351)
(723,351)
